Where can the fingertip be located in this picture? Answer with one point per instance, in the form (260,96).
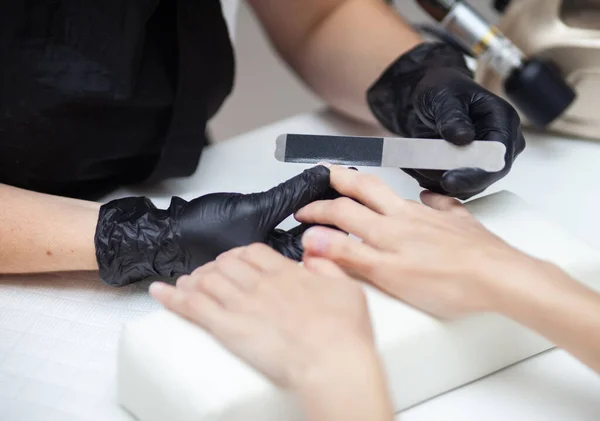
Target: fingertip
(464,182)
(302,214)
(441,202)
(292,195)
(316,240)
(427,196)
(160,291)
(459,134)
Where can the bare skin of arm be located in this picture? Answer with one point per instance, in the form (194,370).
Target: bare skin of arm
(43,233)
(557,307)
(338,47)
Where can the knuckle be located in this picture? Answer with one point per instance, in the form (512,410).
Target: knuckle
(204,268)
(208,280)
(254,249)
(225,261)
(195,272)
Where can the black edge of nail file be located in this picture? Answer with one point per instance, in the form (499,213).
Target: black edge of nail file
(333,149)
(434,154)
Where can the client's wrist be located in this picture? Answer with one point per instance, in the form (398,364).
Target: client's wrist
(518,283)
(337,365)
(350,385)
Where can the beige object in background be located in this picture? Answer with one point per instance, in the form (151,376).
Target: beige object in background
(170,369)
(567,33)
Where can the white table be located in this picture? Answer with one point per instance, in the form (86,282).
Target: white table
(58,333)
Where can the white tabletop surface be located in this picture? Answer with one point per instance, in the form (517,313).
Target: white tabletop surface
(59,333)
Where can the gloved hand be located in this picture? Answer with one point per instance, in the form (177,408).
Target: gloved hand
(135,240)
(429,93)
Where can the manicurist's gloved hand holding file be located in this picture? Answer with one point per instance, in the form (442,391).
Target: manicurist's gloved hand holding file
(456,138)
(429,92)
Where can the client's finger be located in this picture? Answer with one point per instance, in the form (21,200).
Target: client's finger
(194,306)
(368,189)
(236,251)
(189,282)
(222,289)
(200,270)
(264,258)
(347,215)
(352,255)
(324,267)
(239,271)
(442,203)
(183,282)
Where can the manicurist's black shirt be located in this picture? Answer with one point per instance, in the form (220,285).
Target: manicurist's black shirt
(95,94)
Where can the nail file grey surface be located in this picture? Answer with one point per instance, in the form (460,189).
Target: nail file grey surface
(430,154)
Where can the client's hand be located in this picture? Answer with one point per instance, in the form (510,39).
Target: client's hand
(286,320)
(306,328)
(437,257)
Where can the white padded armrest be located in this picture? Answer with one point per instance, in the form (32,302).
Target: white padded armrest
(169,369)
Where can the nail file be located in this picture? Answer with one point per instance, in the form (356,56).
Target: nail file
(430,154)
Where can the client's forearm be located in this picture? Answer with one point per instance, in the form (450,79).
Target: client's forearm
(43,233)
(561,309)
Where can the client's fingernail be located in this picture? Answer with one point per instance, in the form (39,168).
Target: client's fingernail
(325,164)
(315,240)
(156,288)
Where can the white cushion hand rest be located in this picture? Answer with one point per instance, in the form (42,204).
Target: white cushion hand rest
(169,369)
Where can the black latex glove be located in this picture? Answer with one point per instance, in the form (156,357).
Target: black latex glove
(135,240)
(429,93)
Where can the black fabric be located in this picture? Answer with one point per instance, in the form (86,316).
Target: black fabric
(95,94)
(135,240)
